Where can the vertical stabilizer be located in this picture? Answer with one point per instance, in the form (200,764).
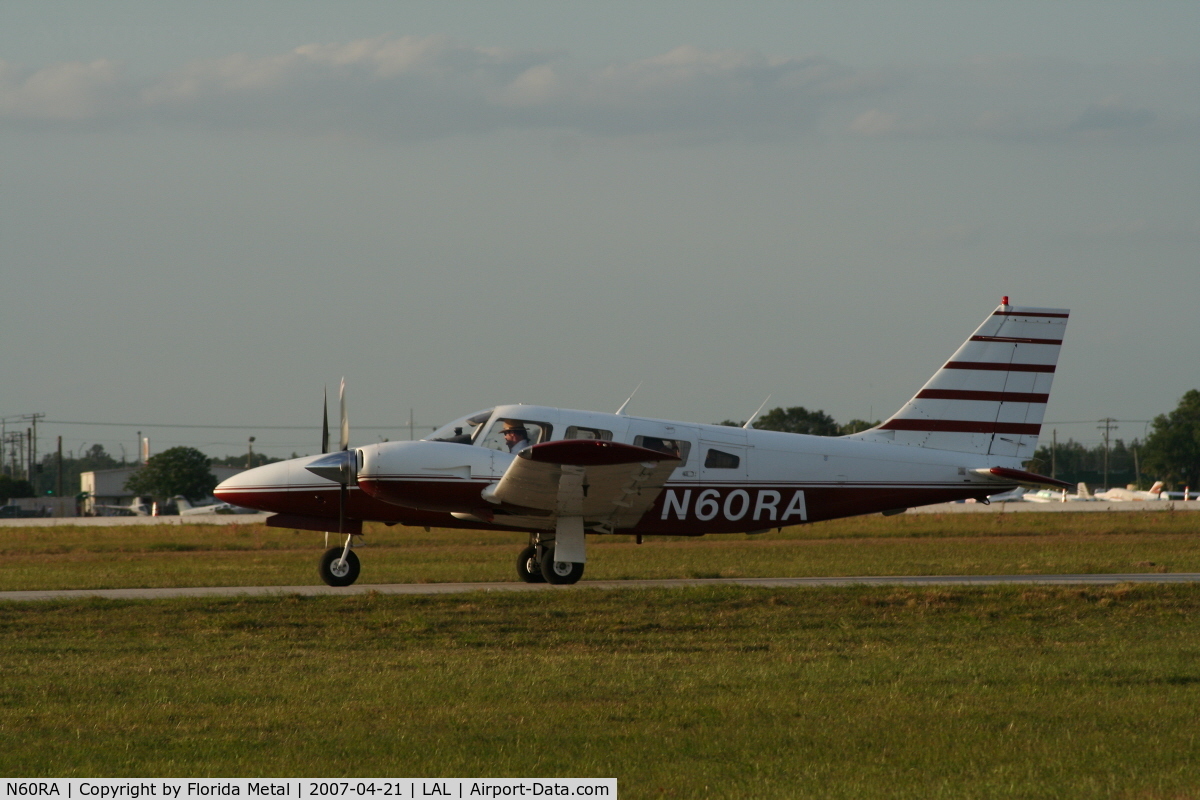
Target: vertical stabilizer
(990,397)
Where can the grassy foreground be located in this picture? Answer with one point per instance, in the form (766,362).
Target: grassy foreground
(714,692)
(77,557)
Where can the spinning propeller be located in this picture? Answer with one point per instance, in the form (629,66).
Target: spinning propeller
(340,466)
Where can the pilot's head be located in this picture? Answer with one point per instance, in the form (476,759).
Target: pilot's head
(514,431)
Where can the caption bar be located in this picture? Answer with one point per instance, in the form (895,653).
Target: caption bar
(305,788)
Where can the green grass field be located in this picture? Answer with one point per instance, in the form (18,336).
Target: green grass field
(705,692)
(240,555)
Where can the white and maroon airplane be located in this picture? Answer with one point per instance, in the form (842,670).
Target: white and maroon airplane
(560,474)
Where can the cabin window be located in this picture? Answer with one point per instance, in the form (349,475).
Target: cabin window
(675,447)
(514,435)
(718,459)
(576,432)
(461,430)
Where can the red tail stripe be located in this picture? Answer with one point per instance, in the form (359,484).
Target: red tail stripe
(1029,314)
(996,397)
(1014,340)
(997,367)
(959,426)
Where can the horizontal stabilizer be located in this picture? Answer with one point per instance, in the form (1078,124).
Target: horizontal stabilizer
(1021,476)
(592,453)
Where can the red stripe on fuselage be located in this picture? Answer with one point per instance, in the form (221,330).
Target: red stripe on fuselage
(959,426)
(753,511)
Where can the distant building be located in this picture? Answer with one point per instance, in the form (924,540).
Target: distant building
(106,487)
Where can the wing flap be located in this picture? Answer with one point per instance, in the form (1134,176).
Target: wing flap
(606,483)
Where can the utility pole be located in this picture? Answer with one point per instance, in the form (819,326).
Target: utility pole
(1137,470)
(14,442)
(1107,426)
(58,486)
(28,447)
(250,454)
(1053,452)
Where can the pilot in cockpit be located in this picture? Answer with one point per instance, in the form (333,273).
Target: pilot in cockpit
(516,438)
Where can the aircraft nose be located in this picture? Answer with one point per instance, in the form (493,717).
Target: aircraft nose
(258,487)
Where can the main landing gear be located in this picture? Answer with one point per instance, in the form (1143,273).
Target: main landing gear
(536,564)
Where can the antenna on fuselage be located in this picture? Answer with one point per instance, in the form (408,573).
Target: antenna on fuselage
(621,410)
(754,416)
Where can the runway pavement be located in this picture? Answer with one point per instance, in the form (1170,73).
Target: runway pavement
(455,588)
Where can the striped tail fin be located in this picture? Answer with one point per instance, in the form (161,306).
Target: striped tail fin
(990,397)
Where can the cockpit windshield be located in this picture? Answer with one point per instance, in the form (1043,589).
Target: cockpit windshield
(460,430)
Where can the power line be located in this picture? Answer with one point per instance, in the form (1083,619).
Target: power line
(225,427)
(1091,421)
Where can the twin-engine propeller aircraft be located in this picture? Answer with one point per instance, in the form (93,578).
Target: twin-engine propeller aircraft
(560,474)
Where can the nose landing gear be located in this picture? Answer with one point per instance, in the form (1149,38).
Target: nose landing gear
(339,566)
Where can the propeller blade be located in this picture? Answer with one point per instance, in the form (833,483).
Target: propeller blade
(325,423)
(345,437)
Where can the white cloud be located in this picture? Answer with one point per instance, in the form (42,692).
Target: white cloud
(419,87)
(70,91)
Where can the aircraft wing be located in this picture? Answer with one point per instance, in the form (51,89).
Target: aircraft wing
(607,483)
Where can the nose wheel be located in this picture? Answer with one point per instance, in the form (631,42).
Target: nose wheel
(339,566)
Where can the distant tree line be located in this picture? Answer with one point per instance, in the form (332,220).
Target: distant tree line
(799,419)
(93,459)
(1076,463)
(1171,453)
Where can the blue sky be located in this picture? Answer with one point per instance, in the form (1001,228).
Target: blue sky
(209,211)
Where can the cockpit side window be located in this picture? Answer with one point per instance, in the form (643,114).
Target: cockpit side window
(676,447)
(514,435)
(577,432)
(461,430)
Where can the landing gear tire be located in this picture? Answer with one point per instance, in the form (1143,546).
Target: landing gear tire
(336,572)
(528,568)
(559,572)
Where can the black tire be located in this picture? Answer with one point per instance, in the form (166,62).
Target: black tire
(528,568)
(345,574)
(559,572)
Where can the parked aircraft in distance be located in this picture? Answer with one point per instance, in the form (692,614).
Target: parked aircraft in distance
(558,474)
(138,507)
(1129,494)
(1082,493)
(186,509)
